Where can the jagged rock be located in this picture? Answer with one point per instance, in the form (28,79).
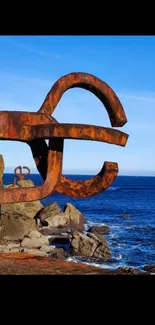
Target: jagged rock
(128,270)
(50,231)
(28,209)
(50,210)
(59,220)
(150,268)
(92,245)
(99,229)
(51,215)
(34,234)
(71,218)
(1,170)
(77,220)
(15,227)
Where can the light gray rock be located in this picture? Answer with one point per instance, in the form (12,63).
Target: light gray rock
(13,245)
(46,249)
(34,242)
(92,245)
(77,220)
(34,234)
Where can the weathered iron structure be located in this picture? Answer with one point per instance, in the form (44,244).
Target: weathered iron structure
(19,174)
(35,128)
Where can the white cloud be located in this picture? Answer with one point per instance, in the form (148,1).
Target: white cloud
(13,42)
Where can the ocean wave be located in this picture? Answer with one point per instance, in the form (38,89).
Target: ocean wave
(115,262)
(101,265)
(113,236)
(91,224)
(113,188)
(114,226)
(119,257)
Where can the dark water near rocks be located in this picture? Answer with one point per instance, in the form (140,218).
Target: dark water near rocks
(131,240)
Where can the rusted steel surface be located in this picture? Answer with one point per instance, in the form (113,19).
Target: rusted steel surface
(20,175)
(35,128)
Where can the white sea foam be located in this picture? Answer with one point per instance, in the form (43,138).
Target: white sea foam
(113,188)
(91,223)
(113,236)
(114,227)
(119,257)
(101,265)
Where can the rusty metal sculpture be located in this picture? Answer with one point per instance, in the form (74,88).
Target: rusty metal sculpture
(20,175)
(34,128)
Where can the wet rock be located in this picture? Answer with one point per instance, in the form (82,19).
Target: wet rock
(99,229)
(28,209)
(1,170)
(15,227)
(92,245)
(34,242)
(150,268)
(125,217)
(128,270)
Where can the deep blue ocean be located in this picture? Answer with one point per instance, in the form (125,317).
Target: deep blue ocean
(131,240)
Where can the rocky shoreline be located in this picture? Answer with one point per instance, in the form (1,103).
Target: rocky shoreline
(28,264)
(34,234)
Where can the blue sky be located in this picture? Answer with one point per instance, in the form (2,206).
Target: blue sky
(29,65)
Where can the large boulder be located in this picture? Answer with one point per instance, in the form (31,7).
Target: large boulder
(1,170)
(76,218)
(28,209)
(50,210)
(34,242)
(91,245)
(70,219)
(15,226)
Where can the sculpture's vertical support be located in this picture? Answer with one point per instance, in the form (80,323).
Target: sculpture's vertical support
(1,170)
